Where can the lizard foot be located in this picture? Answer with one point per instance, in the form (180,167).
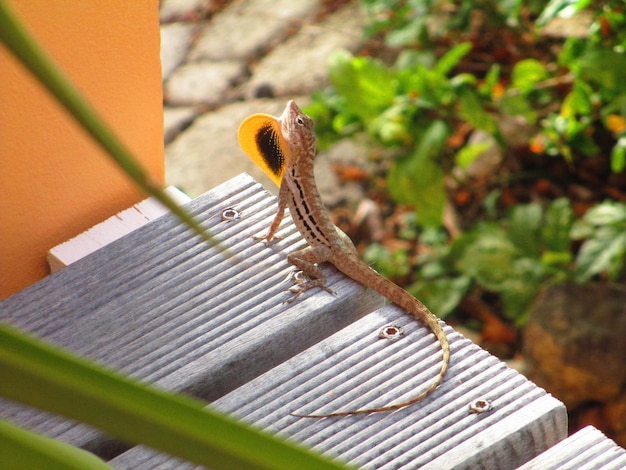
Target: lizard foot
(267,238)
(303,284)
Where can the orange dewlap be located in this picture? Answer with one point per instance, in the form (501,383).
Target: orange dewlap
(261,139)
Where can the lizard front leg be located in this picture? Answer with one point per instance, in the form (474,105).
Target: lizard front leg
(282,205)
(307,260)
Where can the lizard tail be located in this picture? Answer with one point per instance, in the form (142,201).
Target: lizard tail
(433,324)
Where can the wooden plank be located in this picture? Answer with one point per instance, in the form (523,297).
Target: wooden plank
(587,449)
(354,368)
(164,306)
(110,230)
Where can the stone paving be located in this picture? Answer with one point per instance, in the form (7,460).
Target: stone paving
(215,65)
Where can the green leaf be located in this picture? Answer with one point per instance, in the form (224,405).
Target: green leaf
(418,180)
(526,74)
(441,296)
(451,58)
(387,262)
(365,83)
(472,110)
(618,156)
(606,213)
(606,67)
(555,232)
(392,126)
(491,80)
(572,49)
(605,249)
(560,8)
(133,412)
(603,253)
(413,60)
(406,34)
(524,226)
(518,105)
(578,101)
(468,153)
(521,287)
(21,449)
(486,255)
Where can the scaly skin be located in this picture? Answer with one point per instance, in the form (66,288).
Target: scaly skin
(298,191)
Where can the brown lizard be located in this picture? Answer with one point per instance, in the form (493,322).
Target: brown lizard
(285,147)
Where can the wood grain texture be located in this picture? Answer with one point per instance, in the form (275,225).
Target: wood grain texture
(587,449)
(354,368)
(163,306)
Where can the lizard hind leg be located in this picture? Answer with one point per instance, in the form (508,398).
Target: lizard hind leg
(307,261)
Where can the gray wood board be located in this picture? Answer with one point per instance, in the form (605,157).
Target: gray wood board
(164,306)
(354,369)
(587,449)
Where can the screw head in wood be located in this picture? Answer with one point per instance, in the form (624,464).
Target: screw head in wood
(231,214)
(481,405)
(391,332)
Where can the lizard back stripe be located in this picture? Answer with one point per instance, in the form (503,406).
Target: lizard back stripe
(305,217)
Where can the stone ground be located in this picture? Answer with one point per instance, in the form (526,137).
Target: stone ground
(217,64)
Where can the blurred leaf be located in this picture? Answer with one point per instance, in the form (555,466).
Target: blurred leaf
(486,255)
(603,253)
(606,213)
(418,180)
(407,34)
(387,262)
(441,296)
(605,249)
(578,101)
(410,59)
(618,156)
(606,67)
(490,202)
(526,74)
(560,8)
(392,126)
(365,83)
(572,49)
(521,287)
(555,231)
(21,449)
(524,226)
(451,58)
(468,153)
(136,413)
(518,105)
(473,111)
(492,79)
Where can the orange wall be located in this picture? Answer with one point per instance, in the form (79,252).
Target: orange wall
(54,181)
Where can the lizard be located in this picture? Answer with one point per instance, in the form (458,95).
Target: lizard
(285,148)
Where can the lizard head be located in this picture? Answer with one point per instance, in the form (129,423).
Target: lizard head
(297,130)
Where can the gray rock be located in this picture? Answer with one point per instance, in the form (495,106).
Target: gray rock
(300,65)
(175,40)
(202,82)
(183,10)
(245,28)
(176,119)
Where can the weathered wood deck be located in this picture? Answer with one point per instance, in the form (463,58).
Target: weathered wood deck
(167,308)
